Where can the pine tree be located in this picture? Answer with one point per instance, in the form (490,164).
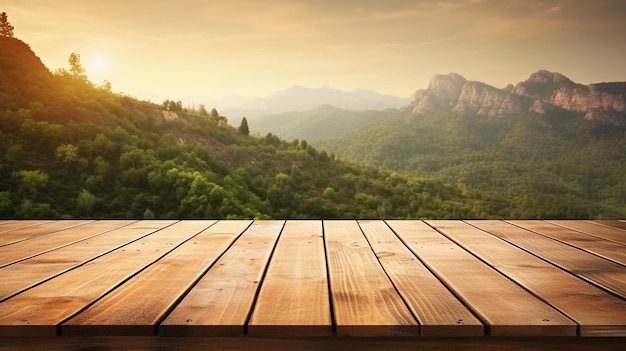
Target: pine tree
(6,29)
(76,69)
(243,127)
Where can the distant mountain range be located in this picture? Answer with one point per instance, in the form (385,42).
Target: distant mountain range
(332,112)
(298,98)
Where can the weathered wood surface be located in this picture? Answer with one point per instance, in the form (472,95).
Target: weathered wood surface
(506,308)
(35,229)
(438,311)
(293,300)
(136,307)
(594,310)
(616,233)
(611,223)
(220,303)
(9,226)
(28,273)
(597,270)
(365,301)
(496,281)
(28,248)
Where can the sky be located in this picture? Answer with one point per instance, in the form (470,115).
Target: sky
(199,50)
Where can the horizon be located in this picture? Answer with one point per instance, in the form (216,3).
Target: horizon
(199,51)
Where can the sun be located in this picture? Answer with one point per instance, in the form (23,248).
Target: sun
(97,67)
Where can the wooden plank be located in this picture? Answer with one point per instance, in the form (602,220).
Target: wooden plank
(608,249)
(25,274)
(438,311)
(365,301)
(34,231)
(610,223)
(133,308)
(615,234)
(40,310)
(221,302)
(294,299)
(604,273)
(18,224)
(506,308)
(36,246)
(597,312)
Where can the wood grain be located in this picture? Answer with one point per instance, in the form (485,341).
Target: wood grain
(136,308)
(9,226)
(40,310)
(220,303)
(610,223)
(33,231)
(604,273)
(596,245)
(615,234)
(294,299)
(438,311)
(274,282)
(597,312)
(365,301)
(26,274)
(505,307)
(36,246)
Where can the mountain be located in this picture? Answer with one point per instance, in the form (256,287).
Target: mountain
(321,122)
(605,102)
(70,149)
(547,141)
(544,93)
(298,98)
(23,76)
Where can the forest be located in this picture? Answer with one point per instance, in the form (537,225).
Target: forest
(70,148)
(548,166)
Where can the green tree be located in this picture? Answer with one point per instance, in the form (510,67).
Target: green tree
(67,153)
(6,207)
(214,113)
(76,68)
(6,29)
(148,214)
(243,127)
(86,202)
(31,181)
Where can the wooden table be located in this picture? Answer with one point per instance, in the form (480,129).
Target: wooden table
(312,284)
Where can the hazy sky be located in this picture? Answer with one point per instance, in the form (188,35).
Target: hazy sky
(198,50)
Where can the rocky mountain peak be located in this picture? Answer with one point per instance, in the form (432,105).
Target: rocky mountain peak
(454,92)
(447,84)
(543,92)
(547,77)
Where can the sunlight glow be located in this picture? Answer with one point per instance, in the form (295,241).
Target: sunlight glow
(96,67)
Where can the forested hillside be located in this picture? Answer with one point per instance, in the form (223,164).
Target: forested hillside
(544,165)
(69,148)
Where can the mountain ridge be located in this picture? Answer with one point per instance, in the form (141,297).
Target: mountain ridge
(543,92)
(300,98)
